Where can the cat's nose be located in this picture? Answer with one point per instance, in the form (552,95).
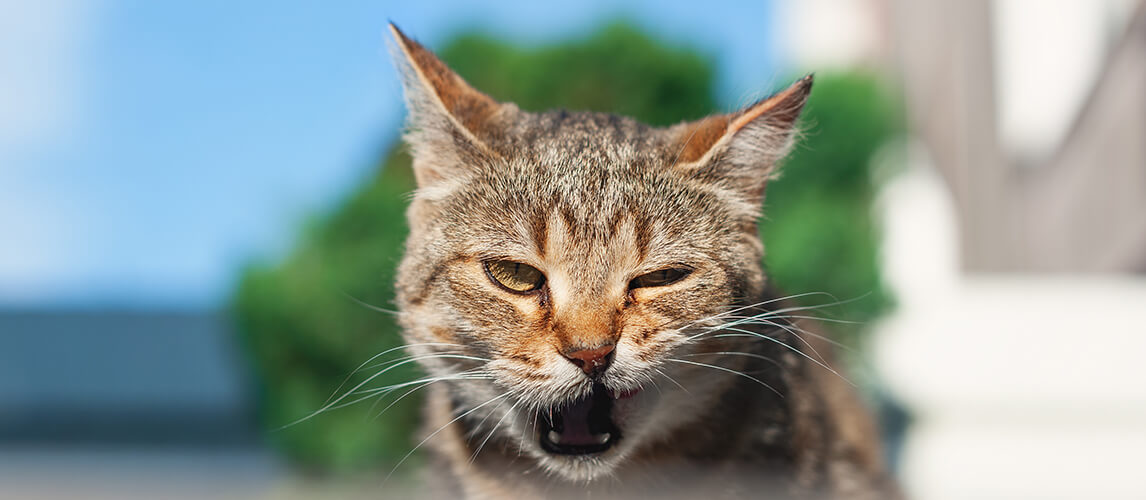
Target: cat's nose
(594,361)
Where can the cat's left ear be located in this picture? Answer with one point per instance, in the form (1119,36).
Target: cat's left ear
(740,150)
(450,123)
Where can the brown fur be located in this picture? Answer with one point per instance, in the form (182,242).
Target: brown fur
(592,201)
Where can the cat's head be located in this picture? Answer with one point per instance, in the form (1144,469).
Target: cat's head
(561,266)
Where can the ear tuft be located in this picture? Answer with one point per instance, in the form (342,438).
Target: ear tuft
(780,110)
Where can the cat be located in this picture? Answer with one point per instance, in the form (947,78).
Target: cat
(587,293)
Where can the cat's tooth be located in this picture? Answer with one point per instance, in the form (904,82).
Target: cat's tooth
(603,438)
(554,437)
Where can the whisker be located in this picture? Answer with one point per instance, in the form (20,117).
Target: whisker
(786,346)
(534,414)
(371,378)
(382,392)
(670,379)
(444,354)
(820,306)
(376,356)
(798,316)
(440,429)
(723,314)
(738,353)
(821,318)
(762,318)
(792,329)
(769,301)
(813,334)
(493,430)
(777,313)
(471,374)
(729,370)
(477,428)
(420,387)
(368,305)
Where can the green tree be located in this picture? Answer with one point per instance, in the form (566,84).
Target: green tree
(819,231)
(307,322)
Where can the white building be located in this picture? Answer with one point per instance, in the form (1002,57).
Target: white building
(1016,243)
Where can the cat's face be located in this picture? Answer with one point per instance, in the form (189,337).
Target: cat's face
(561,265)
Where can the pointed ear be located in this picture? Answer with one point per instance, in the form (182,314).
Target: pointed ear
(741,149)
(449,122)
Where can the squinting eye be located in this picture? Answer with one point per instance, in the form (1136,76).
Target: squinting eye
(659,278)
(515,276)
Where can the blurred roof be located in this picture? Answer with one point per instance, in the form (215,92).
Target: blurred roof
(124,377)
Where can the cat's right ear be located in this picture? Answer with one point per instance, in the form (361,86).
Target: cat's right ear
(449,121)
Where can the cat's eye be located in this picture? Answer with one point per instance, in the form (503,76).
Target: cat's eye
(514,276)
(659,278)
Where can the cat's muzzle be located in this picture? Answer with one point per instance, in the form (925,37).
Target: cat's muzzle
(581,427)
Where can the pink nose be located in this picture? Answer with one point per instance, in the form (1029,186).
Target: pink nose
(592,361)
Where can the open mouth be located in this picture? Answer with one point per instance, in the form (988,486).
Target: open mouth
(582,427)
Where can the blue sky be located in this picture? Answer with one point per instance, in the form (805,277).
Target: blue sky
(149,149)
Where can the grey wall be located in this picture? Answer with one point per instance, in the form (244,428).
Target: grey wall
(121,377)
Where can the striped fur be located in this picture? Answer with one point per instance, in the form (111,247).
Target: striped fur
(594,200)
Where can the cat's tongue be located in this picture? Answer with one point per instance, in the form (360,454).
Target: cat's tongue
(583,426)
(575,428)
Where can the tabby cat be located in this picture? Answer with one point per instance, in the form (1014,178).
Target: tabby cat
(587,292)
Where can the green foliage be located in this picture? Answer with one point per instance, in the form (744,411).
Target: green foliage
(305,328)
(305,324)
(617,71)
(819,233)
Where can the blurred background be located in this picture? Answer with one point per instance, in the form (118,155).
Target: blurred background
(201,205)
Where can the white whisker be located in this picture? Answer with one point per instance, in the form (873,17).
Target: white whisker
(371,378)
(370,306)
(792,329)
(729,370)
(738,353)
(758,304)
(812,334)
(440,429)
(424,384)
(786,346)
(670,379)
(376,356)
(493,430)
